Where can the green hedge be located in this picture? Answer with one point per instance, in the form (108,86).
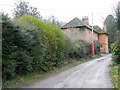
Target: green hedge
(22,49)
(116,52)
(52,38)
(29,47)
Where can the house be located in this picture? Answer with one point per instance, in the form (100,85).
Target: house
(83,31)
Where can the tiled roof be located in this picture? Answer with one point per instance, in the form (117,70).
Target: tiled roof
(74,22)
(98,29)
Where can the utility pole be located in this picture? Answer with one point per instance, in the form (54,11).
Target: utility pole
(92,42)
(92,27)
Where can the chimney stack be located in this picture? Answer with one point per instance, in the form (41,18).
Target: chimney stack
(85,20)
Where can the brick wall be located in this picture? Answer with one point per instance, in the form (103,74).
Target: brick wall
(103,38)
(82,34)
(89,37)
(86,35)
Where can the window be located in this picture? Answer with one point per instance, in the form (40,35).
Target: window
(101,47)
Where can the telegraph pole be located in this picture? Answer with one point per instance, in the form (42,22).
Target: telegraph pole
(92,42)
(92,27)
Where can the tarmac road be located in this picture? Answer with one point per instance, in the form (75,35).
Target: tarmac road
(92,74)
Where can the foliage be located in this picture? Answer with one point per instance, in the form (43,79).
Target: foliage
(53,20)
(116,52)
(111,26)
(30,45)
(29,78)
(97,47)
(8,47)
(117,14)
(23,8)
(115,76)
(115,47)
(52,38)
(22,49)
(78,49)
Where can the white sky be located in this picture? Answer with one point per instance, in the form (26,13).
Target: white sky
(65,10)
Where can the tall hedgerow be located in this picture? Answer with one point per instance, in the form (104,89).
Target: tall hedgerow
(22,49)
(116,52)
(52,38)
(30,45)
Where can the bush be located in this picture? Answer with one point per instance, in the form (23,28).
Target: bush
(22,49)
(80,48)
(30,45)
(52,39)
(8,47)
(97,47)
(116,52)
(77,49)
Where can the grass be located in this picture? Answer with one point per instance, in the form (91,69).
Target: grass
(115,76)
(24,80)
(30,78)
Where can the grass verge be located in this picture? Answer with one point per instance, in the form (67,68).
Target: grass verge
(115,75)
(30,78)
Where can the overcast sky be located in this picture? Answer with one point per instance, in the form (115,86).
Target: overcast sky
(65,10)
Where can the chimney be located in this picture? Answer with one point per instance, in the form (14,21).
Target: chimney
(85,20)
(104,27)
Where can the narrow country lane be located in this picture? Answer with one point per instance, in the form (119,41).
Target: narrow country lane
(92,74)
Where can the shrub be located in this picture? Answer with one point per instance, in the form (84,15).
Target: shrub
(8,47)
(116,52)
(97,47)
(22,49)
(52,39)
(77,49)
(31,49)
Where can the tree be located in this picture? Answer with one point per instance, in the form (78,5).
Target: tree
(117,12)
(111,26)
(53,20)
(23,8)
(116,46)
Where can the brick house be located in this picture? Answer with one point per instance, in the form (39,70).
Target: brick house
(81,30)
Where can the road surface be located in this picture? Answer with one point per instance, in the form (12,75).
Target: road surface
(92,74)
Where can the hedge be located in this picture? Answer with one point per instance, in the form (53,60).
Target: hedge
(52,38)
(29,47)
(116,52)
(22,49)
